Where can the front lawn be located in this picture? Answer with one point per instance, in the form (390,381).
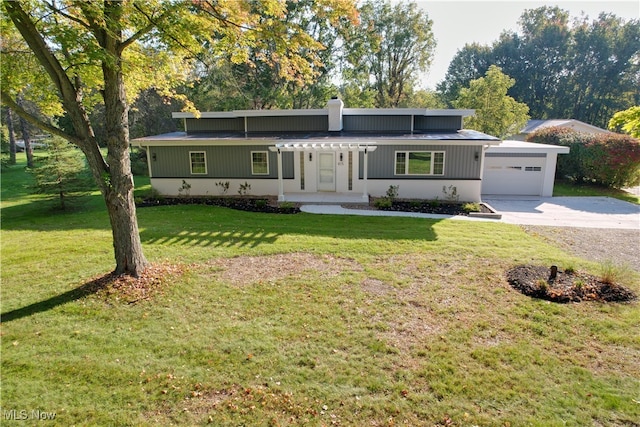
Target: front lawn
(301,319)
(572,189)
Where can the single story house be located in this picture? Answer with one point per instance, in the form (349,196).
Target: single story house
(577,125)
(308,154)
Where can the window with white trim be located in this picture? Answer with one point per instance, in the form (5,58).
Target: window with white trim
(259,163)
(198,162)
(419,163)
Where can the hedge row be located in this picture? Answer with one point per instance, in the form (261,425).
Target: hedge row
(610,159)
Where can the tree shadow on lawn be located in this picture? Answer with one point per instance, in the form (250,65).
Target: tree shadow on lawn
(205,225)
(80,292)
(241,229)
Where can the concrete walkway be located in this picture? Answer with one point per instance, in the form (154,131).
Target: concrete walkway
(590,212)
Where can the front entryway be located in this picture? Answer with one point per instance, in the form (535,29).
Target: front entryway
(326,171)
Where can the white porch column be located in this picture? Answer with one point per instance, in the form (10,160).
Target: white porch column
(280,182)
(365,192)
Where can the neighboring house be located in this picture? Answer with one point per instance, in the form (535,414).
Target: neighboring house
(577,125)
(518,168)
(314,152)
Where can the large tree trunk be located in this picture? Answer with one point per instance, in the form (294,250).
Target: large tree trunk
(126,238)
(113,176)
(119,192)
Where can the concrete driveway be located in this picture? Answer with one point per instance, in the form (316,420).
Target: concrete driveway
(591,212)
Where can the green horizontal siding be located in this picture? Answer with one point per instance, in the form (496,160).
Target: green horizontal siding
(222,162)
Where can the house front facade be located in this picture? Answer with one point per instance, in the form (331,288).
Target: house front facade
(314,152)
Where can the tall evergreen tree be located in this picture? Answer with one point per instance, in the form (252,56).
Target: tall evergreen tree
(62,173)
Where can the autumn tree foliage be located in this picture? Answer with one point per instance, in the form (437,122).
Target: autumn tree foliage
(68,57)
(611,159)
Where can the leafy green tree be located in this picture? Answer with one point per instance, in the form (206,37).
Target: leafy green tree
(422,98)
(496,113)
(263,83)
(106,52)
(392,45)
(543,46)
(469,63)
(62,173)
(581,69)
(604,72)
(627,121)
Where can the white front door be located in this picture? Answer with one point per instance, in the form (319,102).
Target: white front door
(326,171)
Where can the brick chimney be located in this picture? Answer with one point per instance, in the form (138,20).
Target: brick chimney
(334,105)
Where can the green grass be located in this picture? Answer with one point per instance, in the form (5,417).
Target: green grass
(572,189)
(302,319)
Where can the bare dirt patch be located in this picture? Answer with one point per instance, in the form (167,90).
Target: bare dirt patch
(246,270)
(567,286)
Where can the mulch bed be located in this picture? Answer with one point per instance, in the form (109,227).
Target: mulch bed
(568,286)
(242,203)
(430,207)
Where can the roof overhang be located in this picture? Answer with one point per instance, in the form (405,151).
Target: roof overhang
(512,146)
(405,112)
(320,112)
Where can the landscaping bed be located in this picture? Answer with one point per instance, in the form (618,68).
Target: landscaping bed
(567,286)
(243,203)
(270,204)
(433,207)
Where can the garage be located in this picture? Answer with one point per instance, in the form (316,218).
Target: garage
(517,168)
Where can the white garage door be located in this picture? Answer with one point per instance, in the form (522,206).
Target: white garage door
(521,176)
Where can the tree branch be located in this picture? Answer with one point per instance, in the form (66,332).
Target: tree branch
(70,96)
(153,23)
(6,99)
(66,15)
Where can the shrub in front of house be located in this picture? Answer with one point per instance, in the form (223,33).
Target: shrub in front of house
(610,159)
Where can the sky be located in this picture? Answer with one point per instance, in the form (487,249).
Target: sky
(457,22)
